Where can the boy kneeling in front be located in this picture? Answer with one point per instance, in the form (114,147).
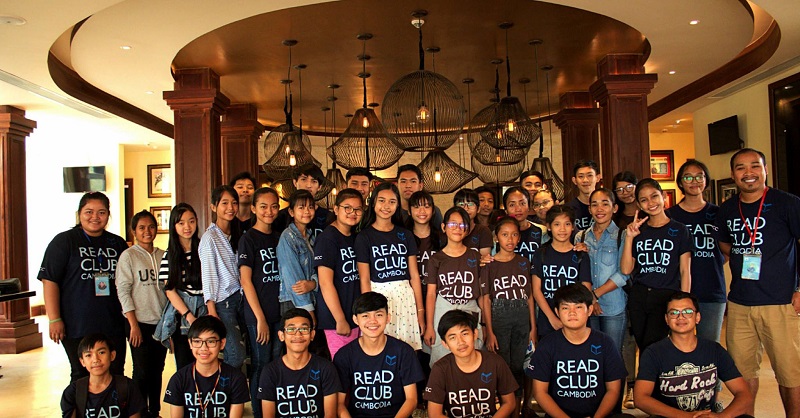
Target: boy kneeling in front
(467,382)
(577,371)
(299,384)
(678,375)
(379,373)
(100,394)
(208,387)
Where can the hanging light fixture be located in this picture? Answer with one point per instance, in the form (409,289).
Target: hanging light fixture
(416,99)
(543,164)
(497,174)
(365,142)
(333,175)
(510,126)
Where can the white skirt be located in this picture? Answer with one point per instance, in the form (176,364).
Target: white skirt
(403,323)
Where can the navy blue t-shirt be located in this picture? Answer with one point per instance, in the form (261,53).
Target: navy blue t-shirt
(708,279)
(386,253)
(70,261)
(776,241)
(376,383)
(299,393)
(480,237)
(257,251)
(529,241)
(231,389)
(103,404)
(577,374)
(582,216)
(557,269)
(686,381)
(657,255)
(335,251)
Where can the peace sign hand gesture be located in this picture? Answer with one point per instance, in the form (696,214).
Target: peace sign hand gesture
(633,227)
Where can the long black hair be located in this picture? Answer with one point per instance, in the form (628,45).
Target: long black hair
(370,216)
(176,259)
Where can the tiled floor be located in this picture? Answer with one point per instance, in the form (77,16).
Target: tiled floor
(33,382)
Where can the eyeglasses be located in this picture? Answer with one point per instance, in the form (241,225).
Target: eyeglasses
(627,188)
(466,204)
(349,209)
(687,313)
(698,178)
(301,330)
(210,343)
(456,225)
(542,204)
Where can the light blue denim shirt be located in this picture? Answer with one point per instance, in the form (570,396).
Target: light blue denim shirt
(295,263)
(604,255)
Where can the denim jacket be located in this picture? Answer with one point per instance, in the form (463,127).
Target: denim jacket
(604,256)
(295,262)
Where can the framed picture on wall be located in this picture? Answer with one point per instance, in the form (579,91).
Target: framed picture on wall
(669,198)
(159,181)
(662,165)
(162,214)
(710,193)
(726,189)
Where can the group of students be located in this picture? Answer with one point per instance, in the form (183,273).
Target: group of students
(387,287)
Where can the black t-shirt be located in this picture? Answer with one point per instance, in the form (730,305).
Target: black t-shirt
(577,374)
(317,225)
(776,241)
(529,241)
(335,251)
(257,251)
(469,394)
(480,237)
(458,279)
(686,381)
(70,261)
(557,269)
(105,403)
(508,279)
(657,255)
(386,253)
(231,390)
(299,393)
(425,251)
(708,279)
(582,216)
(376,383)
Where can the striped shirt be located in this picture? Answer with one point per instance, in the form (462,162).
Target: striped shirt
(185,285)
(218,265)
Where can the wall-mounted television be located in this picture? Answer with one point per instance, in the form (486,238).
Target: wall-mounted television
(723,136)
(84,179)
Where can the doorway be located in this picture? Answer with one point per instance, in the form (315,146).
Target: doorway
(784,111)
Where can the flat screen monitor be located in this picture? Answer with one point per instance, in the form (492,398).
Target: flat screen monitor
(723,136)
(84,179)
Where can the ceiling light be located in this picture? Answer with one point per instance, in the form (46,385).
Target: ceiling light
(125,47)
(694,22)
(12,20)
(672,72)
(149,92)
(677,121)
(789,87)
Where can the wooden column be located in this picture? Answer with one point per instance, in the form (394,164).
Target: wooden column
(198,105)
(240,133)
(18,332)
(622,88)
(579,122)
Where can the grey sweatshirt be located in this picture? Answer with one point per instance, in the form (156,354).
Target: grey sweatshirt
(138,287)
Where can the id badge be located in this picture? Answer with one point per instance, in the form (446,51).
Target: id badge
(751,266)
(102,284)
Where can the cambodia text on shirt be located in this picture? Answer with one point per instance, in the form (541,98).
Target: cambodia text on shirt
(457,278)
(257,250)
(657,255)
(386,253)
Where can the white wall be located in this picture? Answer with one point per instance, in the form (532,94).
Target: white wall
(61,142)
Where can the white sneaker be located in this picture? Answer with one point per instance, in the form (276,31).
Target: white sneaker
(627,403)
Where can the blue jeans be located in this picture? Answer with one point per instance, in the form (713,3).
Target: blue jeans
(615,326)
(711,316)
(231,313)
(511,326)
(261,355)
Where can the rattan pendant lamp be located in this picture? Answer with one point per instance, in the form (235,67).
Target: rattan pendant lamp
(543,164)
(333,175)
(365,142)
(412,102)
(510,126)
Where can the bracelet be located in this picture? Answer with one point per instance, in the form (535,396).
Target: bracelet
(188,311)
(595,295)
(53,321)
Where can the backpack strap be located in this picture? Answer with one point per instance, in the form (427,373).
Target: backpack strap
(121,385)
(81,394)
